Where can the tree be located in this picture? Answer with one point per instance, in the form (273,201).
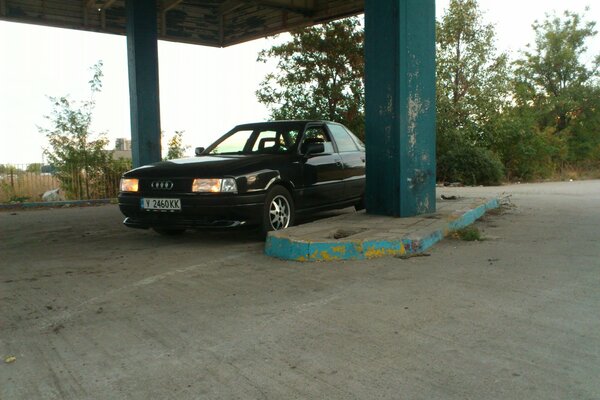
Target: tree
(555,82)
(552,76)
(34,168)
(319,75)
(584,132)
(76,153)
(472,85)
(526,152)
(176,149)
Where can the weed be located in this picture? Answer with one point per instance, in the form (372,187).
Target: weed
(504,207)
(469,234)
(18,199)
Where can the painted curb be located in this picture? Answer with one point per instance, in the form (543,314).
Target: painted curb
(54,204)
(310,251)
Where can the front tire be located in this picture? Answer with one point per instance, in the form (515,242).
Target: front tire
(278,211)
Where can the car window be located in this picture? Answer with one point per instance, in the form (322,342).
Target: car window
(317,134)
(359,142)
(265,140)
(234,143)
(247,141)
(343,140)
(291,137)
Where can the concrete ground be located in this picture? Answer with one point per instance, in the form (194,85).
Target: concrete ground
(92,310)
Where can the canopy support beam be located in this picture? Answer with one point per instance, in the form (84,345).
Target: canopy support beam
(142,57)
(400,107)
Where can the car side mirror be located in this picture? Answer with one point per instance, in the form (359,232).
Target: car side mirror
(199,151)
(314,148)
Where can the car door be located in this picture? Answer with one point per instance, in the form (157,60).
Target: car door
(352,153)
(322,173)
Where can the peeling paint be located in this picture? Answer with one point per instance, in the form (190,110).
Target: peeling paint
(339,249)
(414,110)
(423,206)
(375,252)
(388,107)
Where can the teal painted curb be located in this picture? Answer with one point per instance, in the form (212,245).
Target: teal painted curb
(279,246)
(53,204)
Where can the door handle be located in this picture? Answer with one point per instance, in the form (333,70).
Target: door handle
(338,163)
(362,159)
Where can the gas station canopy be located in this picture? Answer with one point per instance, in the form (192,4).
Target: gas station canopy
(400,106)
(216,23)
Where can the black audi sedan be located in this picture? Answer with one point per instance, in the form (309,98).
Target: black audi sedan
(261,174)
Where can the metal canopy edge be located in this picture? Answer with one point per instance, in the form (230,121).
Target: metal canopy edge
(217,23)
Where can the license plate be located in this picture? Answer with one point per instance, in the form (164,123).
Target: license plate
(161,204)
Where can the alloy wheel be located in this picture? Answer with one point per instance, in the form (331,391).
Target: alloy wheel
(279,213)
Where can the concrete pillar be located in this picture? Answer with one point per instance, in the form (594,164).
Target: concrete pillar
(142,57)
(400,106)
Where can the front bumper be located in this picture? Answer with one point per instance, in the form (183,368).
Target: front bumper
(197,211)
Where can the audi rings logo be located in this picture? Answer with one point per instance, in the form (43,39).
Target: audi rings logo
(162,185)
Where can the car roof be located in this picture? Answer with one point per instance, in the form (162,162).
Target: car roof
(279,124)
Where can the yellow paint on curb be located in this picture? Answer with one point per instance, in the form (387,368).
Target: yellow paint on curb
(339,249)
(376,253)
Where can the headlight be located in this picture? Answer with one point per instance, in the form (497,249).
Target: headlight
(226,185)
(129,185)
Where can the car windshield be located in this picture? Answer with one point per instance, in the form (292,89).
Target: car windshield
(267,140)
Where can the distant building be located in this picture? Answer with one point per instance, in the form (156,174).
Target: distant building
(122,149)
(123,144)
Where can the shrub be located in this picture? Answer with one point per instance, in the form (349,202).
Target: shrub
(470,165)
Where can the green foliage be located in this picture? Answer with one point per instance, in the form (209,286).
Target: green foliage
(472,79)
(526,152)
(76,153)
(552,75)
(34,168)
(7,192)
(468,234)
(8,168)
(496,120)
(472,91)
(561,90)
(176,149)
(537,121)
(470,165)
(319,75)
(584,135)
(112,172)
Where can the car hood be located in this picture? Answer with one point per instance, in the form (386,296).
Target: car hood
(208,166)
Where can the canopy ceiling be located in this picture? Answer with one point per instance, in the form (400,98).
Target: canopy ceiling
(217,23)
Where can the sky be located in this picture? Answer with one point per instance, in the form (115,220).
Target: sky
(204,91)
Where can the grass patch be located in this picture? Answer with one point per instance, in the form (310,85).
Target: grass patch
(468,234)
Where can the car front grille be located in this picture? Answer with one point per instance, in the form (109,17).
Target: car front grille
(164,186)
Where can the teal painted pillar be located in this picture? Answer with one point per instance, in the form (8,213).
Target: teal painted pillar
(400,106)
(142,57)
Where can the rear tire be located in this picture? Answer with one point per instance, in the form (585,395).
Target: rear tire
(278,211)
(360,205)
